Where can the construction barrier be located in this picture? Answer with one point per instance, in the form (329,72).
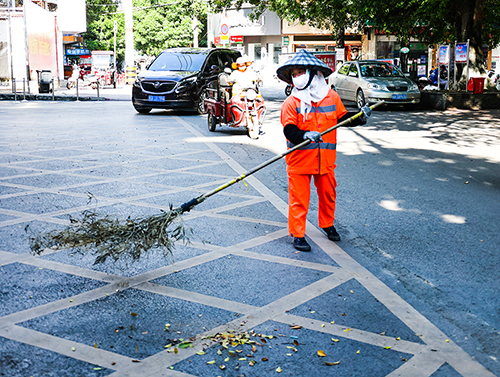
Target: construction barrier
(130,74)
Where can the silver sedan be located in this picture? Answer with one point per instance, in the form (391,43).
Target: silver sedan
(369,81)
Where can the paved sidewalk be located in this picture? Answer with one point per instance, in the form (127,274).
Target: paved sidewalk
(274,311)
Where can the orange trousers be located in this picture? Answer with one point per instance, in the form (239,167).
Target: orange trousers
(299,192)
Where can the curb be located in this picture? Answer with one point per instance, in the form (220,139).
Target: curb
(39,97)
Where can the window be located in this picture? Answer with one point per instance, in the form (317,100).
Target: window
(344,69)
(354,69)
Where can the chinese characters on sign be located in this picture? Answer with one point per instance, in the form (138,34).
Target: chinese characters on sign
(444,56)
(78,52)
(461,53)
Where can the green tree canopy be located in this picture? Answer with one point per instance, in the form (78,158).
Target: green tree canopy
(430,21)
(101,15)
(159,25)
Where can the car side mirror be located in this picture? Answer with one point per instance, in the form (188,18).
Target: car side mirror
(353,74)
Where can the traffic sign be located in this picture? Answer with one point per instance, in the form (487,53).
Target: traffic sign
(224,29)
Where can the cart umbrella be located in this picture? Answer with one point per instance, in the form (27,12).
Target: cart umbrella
(107,237)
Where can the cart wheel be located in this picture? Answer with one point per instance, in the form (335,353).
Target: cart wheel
(253,127)
(212,122)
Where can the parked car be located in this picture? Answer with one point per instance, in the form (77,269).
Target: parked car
(369,81)
(178,78)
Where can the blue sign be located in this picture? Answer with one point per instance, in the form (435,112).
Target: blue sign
(78,52)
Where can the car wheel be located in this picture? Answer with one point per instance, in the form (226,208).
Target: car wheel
(142,110)
(360,99)
(200,107)
(212,122)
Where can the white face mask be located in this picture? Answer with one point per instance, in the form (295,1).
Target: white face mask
(301,81)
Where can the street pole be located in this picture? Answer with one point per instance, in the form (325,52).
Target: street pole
(115,28)
(28,75)
(195,31)
(129,33)
(10,50)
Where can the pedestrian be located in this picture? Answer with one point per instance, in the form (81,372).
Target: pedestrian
(311,109)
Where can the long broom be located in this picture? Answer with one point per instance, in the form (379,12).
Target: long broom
(114,238)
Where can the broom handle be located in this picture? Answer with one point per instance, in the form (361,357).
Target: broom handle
(186,207)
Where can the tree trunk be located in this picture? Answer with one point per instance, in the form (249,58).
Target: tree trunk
(468,26)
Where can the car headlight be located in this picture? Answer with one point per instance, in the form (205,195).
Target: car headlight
(186,83)
(414,87)
(375,86)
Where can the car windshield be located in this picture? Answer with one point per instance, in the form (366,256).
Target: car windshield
(178,61)
(379,70)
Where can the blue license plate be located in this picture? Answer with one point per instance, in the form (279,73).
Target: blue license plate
(156,99)
(399,96)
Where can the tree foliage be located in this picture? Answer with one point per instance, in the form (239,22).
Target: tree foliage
(158,24)
(430,21)
(101,15)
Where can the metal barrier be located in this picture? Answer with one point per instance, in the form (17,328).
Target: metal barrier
(14,89)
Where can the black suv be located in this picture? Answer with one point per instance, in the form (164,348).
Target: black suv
(178,77)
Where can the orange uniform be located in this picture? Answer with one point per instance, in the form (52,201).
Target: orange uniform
(315,159)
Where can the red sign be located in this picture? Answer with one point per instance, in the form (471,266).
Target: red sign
(224,29)
(236,38)
(217,40)
(327,58)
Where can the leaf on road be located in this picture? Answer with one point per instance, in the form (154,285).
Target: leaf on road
(133,314)
(334,363)
(321,353)
(200,353)
(347,330)
(296,327)
(279,370)
(265,359)
(387,348)
(211,362)
(296,343)
(335,340)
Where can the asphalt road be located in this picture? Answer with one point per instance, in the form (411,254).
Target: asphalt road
(418,204)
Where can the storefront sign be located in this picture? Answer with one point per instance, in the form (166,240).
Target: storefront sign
(78,52)
(236,38)
(224,39)
(405,50)
(286,41)
(461,53)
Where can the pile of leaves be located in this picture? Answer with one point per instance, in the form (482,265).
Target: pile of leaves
(118,239)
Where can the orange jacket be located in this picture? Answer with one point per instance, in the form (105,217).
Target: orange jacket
(315,158)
